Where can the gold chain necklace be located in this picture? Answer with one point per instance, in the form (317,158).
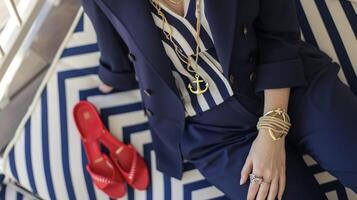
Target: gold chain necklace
(176,1)
(191,63)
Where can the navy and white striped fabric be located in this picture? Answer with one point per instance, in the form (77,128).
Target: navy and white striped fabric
(13,192)
(46,156)
(209,68)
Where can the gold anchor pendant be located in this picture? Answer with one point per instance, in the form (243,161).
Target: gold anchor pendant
(198,90)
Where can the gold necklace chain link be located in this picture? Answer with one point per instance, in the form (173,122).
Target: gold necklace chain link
(176,1)
(191,65)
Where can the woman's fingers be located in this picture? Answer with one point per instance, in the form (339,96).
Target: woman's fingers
(253,190)
(246,170)
(274,187)
(263,191)
(282,182)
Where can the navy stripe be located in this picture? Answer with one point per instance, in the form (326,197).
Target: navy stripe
(73,51)
(45,145)
(2,190)
(167,183)
(28,156)
(80,25)
(208,96)
(62,76)
(220,198)
(19,196)
(351,14)
(13,164)
(304,24)
(338,45)
(191,9)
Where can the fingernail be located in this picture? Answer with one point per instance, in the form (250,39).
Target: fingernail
(241,182)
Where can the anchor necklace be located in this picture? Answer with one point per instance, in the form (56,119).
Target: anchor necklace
(191,63)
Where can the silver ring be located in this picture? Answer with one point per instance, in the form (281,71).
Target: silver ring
(257,180)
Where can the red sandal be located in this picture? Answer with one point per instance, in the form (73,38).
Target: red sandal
(131,165)
(101,169)
(126,159)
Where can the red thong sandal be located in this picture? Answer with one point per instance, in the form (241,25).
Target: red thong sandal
(101,169)
(131,165)
(129,162)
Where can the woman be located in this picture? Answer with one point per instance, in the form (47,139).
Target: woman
(228,86)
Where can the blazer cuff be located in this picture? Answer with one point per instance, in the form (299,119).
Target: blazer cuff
(120,81)
(285,74)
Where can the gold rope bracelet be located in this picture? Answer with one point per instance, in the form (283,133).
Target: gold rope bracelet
(277,122)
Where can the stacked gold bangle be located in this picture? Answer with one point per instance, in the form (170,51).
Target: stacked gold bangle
(276,121)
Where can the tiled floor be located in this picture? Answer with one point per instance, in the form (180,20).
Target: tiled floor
(35,65)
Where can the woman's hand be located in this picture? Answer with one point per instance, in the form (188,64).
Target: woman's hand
(266,159)
(105,88)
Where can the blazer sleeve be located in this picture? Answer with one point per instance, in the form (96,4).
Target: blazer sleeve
(278,36)
(115,68)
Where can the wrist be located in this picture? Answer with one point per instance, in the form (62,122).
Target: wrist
(276,122)
(265,137)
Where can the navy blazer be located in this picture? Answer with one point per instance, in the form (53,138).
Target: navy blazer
(257,44)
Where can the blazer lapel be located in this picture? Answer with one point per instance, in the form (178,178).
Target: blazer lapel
(133,17)
(221,16)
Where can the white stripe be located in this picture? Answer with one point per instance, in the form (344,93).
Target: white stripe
(99,194)
(10,194)
(186,6)
(207,193)
(20,161)
(79,61)
(185,95)
(172,55)
(37,152)
(157,179)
